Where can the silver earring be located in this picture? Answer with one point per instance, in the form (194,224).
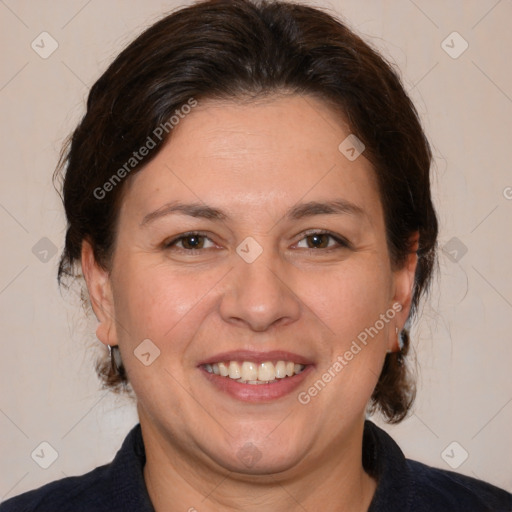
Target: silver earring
(400,339)
(115,359)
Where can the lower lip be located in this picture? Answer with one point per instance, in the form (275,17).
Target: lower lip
(258,392)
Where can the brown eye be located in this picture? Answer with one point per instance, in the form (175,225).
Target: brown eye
(189,242)
(321,240)
(318,241)
(192,242)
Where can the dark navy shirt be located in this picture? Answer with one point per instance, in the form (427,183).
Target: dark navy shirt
(403,485)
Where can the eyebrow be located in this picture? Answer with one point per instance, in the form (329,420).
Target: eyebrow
(299,211)
(192,209)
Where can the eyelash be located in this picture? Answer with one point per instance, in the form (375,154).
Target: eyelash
(342,242)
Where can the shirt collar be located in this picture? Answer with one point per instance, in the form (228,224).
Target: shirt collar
(384,460)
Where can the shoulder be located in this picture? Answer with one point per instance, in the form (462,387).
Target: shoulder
(115,487)
(446,490)
(78,494)
(411,486)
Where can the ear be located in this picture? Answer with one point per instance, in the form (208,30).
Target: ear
(100,293)
(403,290)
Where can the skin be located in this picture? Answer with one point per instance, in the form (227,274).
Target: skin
(254,161)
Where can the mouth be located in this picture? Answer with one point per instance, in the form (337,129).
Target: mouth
(256,377)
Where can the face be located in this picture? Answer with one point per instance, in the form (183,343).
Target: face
(251,238)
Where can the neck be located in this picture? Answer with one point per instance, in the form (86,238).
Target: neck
(335,481)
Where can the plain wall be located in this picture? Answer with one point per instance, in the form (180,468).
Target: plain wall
(49,390)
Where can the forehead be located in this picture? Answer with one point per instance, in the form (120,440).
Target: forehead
(259,154)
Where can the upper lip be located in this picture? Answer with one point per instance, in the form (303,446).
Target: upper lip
(256,357)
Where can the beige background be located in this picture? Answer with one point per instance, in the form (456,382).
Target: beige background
(49,391)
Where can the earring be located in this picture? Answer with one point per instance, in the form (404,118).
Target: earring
(115,359)
(400,339)
(401,343)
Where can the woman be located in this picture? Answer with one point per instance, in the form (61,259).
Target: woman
(248,199)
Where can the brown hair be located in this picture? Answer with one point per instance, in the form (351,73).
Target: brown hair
(235,49)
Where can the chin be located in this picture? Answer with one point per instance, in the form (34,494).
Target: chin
(264,464)
(252,455)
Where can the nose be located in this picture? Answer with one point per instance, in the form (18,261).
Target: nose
(259,295)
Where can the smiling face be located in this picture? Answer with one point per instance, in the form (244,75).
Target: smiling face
(251,237)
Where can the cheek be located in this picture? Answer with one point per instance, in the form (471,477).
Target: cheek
(351,298)
(153,302)
(351,304)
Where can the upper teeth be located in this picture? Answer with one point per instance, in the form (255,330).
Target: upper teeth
(254,373)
